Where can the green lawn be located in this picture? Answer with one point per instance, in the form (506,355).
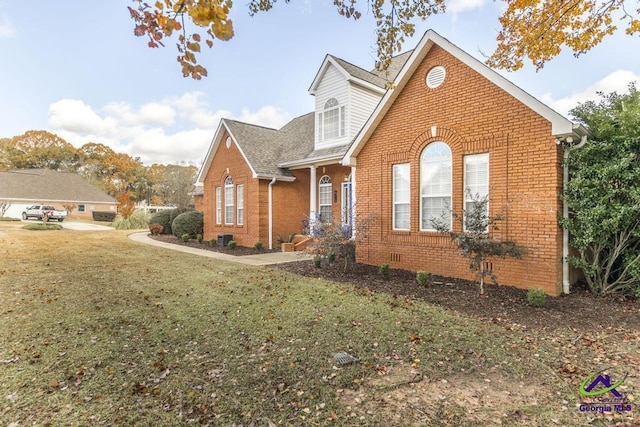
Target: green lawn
(98,330)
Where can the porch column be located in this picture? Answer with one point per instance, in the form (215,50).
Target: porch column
(313,198)
(353,203)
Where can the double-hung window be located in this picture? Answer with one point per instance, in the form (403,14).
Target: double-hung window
(476,182)
(218,205)
(228,201)
(240,204)
(331,121)
(435,185)
(401,197)
(324,198)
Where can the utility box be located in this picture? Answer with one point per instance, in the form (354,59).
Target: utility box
(224,239)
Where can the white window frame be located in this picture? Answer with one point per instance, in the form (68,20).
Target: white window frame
(228,201)
(337,114)
(82,208)
(433,157)
(240,204)
(471,185)
(218,205)
(325,188)
(401,196)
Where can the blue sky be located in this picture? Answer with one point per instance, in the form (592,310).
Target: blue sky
(75,68)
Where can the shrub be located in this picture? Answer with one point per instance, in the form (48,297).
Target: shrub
(185,237)
(422,277)
(105,216)
(199,237)
(6,218)
(41,226)
(258,245)
(190,223)
(174,213)
(155,229)
(317,260)
(164,219)
(286,239)
(232,244)
(384,270)
(138,221)
(213,242)
(536,297)
(331,257)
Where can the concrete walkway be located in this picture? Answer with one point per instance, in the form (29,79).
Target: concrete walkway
(258,259)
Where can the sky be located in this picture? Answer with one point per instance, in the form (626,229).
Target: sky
(74,68)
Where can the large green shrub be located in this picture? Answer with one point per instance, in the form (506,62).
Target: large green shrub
(190,223)
(105,216)
(173,213)
(164,219)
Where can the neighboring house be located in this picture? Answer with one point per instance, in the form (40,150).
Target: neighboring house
(403,156)
(26,187)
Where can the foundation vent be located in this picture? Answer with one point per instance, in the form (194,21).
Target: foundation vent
(394,258)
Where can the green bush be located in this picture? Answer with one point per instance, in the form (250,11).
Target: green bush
(384,270)
(190,223)
(232,244)
(331,257)
(213,242)
(41,226)
(317,260)
(185,237)
(105,216)
(174,213)
(6,218)
(258,245)
(138,221)
(164,219)
(199,237)
(536,297)
(422,277)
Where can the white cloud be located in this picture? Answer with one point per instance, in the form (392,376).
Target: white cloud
(172,130)
(617,81)
(7,29)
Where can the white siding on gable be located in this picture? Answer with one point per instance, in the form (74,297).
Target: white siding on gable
(363,102)
(333,85)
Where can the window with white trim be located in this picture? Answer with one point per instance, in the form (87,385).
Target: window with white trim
(240,204)
(228,201)
(218,205)
(476,180)
(435,185)
(401,197)
(81,208)
(324,198)
(331,121)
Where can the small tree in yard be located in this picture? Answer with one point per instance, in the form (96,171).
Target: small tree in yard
(4,206)
(69,207)
(336,239)
(476,242)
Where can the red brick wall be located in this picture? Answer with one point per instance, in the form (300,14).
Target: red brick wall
(472,116)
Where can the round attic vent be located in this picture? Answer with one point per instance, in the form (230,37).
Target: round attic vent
(228,142)
(435,77)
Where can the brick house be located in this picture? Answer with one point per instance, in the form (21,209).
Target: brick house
(402,156)
(259,183)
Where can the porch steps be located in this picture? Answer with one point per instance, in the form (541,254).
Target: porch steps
(300,242)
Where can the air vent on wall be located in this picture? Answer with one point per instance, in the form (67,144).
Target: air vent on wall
(435,77)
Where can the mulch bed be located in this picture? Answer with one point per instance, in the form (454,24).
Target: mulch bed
(505,305)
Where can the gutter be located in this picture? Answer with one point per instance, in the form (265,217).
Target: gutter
(270,197)
(565,211)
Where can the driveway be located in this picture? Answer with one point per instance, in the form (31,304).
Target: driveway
(84,226)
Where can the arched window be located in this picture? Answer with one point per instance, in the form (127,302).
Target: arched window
(324,195)
(331,121)
(228,201)
(435,185)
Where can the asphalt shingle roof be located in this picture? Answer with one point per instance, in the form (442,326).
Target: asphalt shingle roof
(45,184)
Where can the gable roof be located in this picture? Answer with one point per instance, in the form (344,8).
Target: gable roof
(264,148)
(560,125)
(49,185)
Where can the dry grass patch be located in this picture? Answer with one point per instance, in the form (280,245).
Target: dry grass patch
(99,330)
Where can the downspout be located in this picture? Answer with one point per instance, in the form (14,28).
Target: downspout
(565,215)
(270,197)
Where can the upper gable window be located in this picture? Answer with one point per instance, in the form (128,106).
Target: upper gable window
(331,121)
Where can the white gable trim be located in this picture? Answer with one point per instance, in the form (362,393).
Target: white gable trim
(560,125)
(213,149)
(329,60)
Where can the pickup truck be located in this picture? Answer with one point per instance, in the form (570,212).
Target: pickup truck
(44,211)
